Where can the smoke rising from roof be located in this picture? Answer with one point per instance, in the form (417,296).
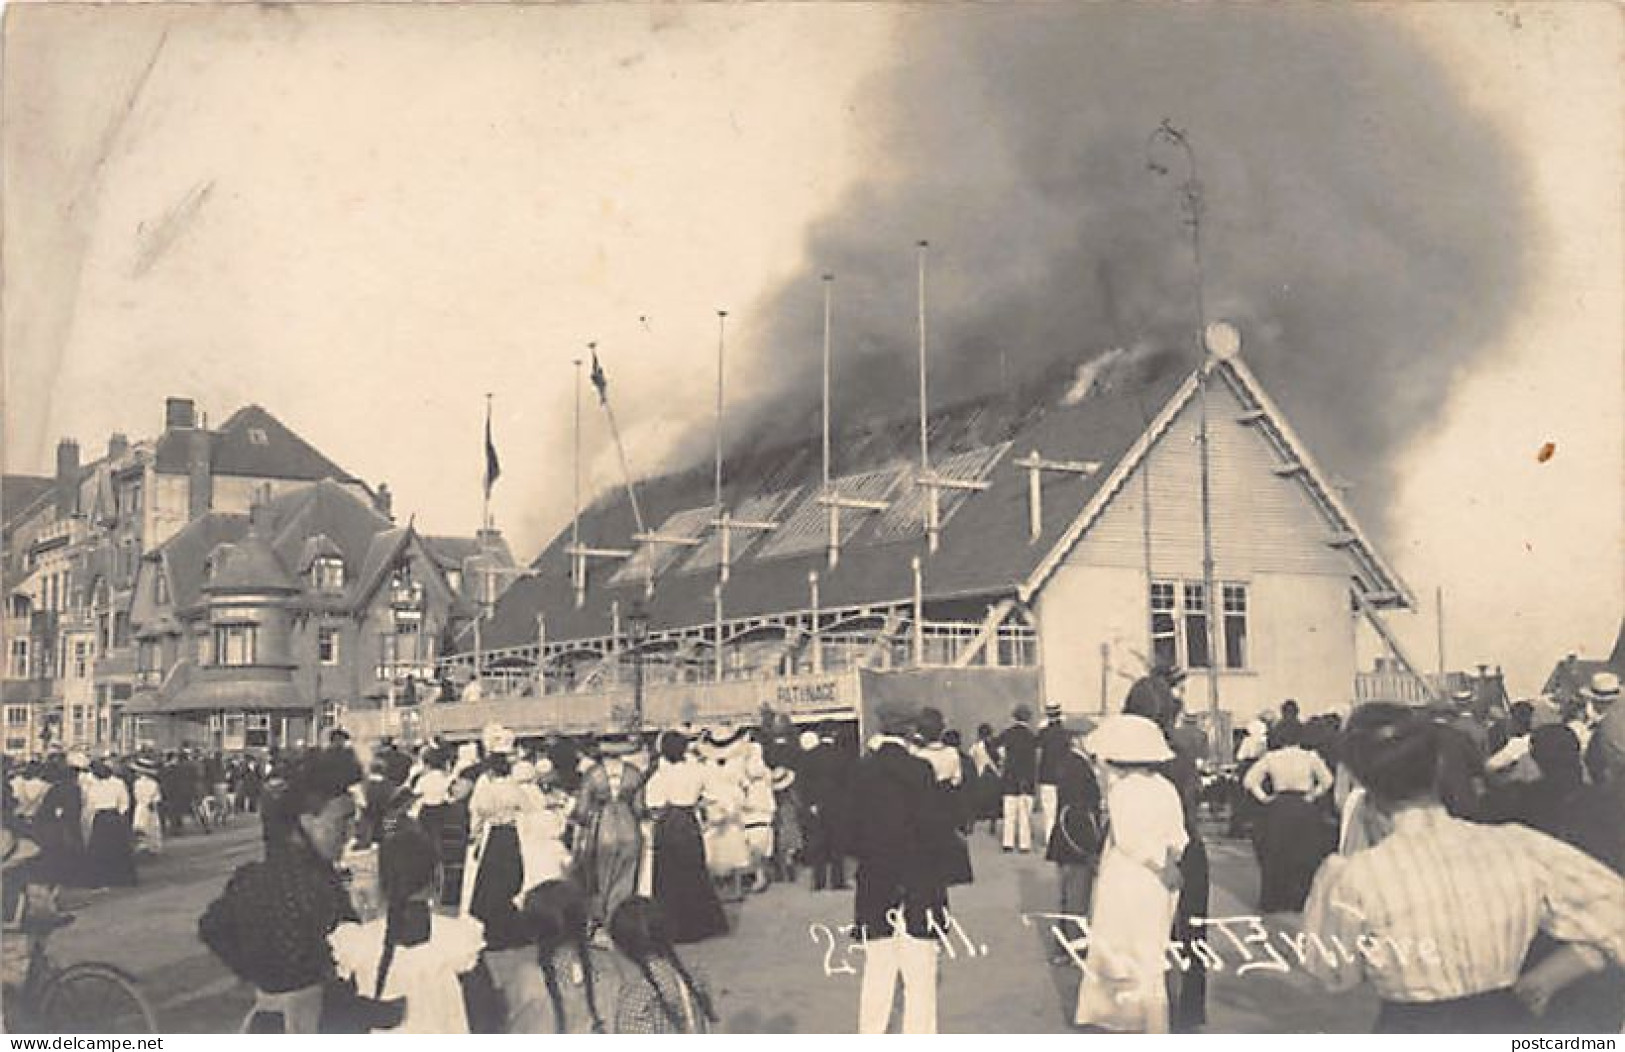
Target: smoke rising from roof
(1363,226)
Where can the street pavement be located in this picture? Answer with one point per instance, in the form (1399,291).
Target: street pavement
(784,969)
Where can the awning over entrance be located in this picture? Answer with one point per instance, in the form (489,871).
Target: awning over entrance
(237,695)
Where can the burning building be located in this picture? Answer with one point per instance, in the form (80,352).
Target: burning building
(1047,545)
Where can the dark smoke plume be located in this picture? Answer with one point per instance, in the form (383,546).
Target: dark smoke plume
(1364,227)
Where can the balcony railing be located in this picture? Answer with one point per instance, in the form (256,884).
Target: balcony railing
(945,644)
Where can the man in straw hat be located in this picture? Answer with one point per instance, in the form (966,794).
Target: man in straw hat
(1601,696)
(1075,841)
(896,878)
(1054,743)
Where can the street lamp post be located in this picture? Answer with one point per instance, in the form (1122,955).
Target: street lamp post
(637,632)
(1190,191)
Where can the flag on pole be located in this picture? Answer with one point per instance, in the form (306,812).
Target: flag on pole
(493,467)
(600,382)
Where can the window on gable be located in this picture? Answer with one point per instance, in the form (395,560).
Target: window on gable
(1196,637)
(1179,625)
(161,587)
(257,436)
(1235,626)
(1164,624)
(327,573)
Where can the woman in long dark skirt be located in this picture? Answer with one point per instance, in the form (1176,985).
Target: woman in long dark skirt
(109,856)
(499,872)
(57,828)
(682,884)
(987,792)
(1294,837)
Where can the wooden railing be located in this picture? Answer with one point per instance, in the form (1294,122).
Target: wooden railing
(664,705)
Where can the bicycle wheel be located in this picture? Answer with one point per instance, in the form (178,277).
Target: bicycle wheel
(92,998)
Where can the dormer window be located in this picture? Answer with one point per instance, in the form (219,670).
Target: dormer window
(327,573)
(403,590)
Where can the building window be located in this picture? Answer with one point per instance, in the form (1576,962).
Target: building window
(1179,625)
(121,629)
(81,659)
(18,669)
(257,437)
(327,574)
(16,715)
(257,734)
(161,588)
(327,645)
(1235,626)
(1164,625)
(20,605)
(1196,637)
(235,645)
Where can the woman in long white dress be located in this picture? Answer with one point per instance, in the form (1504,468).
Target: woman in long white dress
(146,825)
(1137,890)
(727,851)
(541,832)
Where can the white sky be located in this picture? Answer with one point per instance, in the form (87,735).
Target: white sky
(366,218)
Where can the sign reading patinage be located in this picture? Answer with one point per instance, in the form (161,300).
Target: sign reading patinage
(819,694)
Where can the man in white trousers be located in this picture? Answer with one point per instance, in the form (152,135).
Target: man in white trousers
(1018,752)
(1054,743)
(900,896)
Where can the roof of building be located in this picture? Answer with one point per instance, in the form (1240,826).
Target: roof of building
(251,444)
(248,565)
(1574,672)
(19,493)
(325,517)
(185,556)
(985,549)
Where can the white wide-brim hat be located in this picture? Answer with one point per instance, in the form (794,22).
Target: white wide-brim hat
(1604,687)
(1128,739)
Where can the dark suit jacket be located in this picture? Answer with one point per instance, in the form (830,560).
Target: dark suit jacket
(1054,745)
(1018,746)
(892,832)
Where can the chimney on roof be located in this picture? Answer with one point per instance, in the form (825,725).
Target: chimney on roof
(179,413)
(384,501)
(67,478)
(118,444)
(199,473)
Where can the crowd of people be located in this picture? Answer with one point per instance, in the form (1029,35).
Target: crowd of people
(476,887)
(546,885)
(88,820)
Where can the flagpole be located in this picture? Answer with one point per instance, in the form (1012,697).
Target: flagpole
(829,281)
(931,513)
(620,448)
(722,323)
(834,511)
(485,509)
(575,510)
